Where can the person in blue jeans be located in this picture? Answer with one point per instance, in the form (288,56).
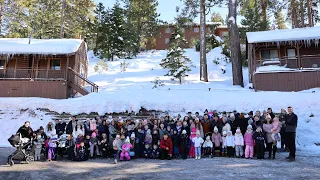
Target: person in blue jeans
(198,141)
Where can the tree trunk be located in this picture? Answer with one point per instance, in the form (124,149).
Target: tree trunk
(237,75)
(310,20)
(203,53)
(139,27)
(294,16)
(1,12)
(180,80)
(302,13)
(264,9)
(62,18)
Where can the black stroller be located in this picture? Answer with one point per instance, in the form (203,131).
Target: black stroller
(24,151)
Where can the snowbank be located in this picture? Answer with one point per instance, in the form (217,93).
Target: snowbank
(39,46)
(132,89)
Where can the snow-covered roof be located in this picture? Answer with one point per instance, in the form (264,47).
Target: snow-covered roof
(298,34)
(39,46)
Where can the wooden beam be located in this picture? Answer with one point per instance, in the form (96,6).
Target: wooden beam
(67,66)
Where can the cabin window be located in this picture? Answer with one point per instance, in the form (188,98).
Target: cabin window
(291,53)
(2,63)
(55,65)
(196,29)
(168,30)
(225,33)
(269,54)
(167,40)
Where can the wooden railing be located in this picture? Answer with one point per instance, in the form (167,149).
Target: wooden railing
(304,61)
(75,78)
(32,74)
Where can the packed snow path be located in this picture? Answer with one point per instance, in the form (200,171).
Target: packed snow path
(305,167)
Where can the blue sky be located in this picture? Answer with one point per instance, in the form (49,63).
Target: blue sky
(167,8)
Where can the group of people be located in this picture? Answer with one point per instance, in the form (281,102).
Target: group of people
(192,136)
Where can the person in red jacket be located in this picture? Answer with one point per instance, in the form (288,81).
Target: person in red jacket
(165,147)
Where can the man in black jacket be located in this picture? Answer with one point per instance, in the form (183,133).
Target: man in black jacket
(290,133)
(25,130)
(71,125)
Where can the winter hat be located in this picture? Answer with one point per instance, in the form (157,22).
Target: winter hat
(208,138)
(250,121)
(230,132)
(238,131)
(231,115)
(127,140)
(133,135)
(250,113)
(184,131)
(224,133)
(215,129)
(118,136)
(249,127)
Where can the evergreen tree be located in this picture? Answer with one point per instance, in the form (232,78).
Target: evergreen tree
(216,17)
(279,19)
(176,62)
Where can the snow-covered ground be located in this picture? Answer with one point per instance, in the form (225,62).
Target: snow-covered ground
(132,89)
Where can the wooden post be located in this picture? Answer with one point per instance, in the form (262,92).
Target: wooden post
(67,66)
(249,51)
(48,66)
(298,56)
(32,67)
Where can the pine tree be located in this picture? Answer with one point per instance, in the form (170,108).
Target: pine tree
(216,17)
(176,62)
(279,19)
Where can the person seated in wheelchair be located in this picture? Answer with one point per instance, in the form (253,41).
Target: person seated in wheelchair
(207,147)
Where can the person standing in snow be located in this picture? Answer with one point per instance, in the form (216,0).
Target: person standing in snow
(290,133)
(165,147)
(198,141)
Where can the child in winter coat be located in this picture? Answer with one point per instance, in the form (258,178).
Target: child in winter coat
(224,144)
(207,146)
(71,148)
(197,141)
(155,152)
(81,153)
(276,127)
(52,147)
(216,139)
(192,149)
(38,144)
(258,136)
(104,149)
(94,148)
(147,151)
(230,144)
(248,140)
(175,143)
(126,147)
(184,144)
(148,138)
(239,143)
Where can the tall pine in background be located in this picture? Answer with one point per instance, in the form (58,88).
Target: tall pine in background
(176,62)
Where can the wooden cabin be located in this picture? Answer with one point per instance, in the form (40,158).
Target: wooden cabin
(284,60)
(191,33)
(48,68)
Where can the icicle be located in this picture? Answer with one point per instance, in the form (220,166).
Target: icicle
(316,43)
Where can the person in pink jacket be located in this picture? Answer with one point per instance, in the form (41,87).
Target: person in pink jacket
(125,150)
(249,142)
(217,140)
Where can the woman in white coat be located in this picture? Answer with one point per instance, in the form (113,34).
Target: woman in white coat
(77,130)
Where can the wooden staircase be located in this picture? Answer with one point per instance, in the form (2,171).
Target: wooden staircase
(77,83)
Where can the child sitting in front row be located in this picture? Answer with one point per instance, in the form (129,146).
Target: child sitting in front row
(155,152)
(224,144)
(207,147)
